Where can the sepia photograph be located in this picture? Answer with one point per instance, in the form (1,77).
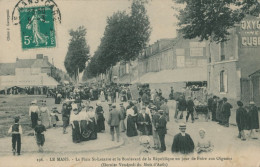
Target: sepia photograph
(129,83)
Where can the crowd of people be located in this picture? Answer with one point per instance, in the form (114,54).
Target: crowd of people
(146,116)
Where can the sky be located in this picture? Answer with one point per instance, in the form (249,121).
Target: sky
(90,13)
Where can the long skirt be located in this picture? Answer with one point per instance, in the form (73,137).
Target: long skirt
(100,122)
(76,136)
(131,129)
(93,127)
(84,131)
(34,118)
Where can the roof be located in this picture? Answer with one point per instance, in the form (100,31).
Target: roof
(25,63)
(177,75)
(7,68)
(40,63)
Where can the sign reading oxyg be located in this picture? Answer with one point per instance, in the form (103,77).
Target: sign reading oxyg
(250,32)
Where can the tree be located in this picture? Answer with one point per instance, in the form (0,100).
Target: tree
(139,30)
(125,37)
(78,52)
(211,19)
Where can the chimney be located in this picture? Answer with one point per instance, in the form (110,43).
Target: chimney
(39,56)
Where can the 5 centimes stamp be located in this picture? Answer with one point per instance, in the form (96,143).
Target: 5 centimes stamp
(37,27)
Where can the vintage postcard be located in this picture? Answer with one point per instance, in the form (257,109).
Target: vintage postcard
(129,83)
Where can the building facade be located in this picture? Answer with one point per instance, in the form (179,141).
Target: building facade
(233,65)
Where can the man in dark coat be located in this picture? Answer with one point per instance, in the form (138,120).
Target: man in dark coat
(155,120)
(181,105)
(161,129)
(214,108)
(182,142)
(226,112)
(114,121)
(190,109)
(143,121)
(253,119)
(241,120)
(165,109)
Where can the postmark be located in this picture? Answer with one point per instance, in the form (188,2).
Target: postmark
(37,27)
(36,19)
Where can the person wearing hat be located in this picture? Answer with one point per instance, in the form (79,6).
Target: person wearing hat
(110,107)
(226,112)
(143,121)
(162,130)
(65,111)
(165,109)
(253,119)
(190,109)
(182,142)
(241,115)
(33,113)
(44,115)
(16,131)
(123,116)
(39,134)
(131,128)
(114,121)
(74,121)
(100,118)
(92,123)
(155,119)
(219,115)
(214,108)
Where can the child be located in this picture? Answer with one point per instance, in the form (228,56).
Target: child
(145,145)
(54,117)
(16,131)
(39,133)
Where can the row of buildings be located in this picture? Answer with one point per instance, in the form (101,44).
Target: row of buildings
(229,69)
(24,73)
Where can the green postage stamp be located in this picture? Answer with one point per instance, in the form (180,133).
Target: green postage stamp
(37,27)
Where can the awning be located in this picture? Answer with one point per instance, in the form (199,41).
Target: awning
(176,75)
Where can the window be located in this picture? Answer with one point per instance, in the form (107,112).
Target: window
(222,52)
(180,61)
(223,81)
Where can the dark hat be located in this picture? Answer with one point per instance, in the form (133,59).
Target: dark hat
(16,119)
(90,107)
(121,104)
(240,103)
(110,104)
(114,105)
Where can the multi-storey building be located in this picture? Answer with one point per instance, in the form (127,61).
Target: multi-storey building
(233,68)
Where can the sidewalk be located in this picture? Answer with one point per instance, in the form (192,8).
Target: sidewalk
(57,142)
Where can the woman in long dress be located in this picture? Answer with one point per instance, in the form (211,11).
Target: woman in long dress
(84,121)
(100,118)
(92,126)
(131,129)
(38,37)
(33,113)
(45,115)
(75,123)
